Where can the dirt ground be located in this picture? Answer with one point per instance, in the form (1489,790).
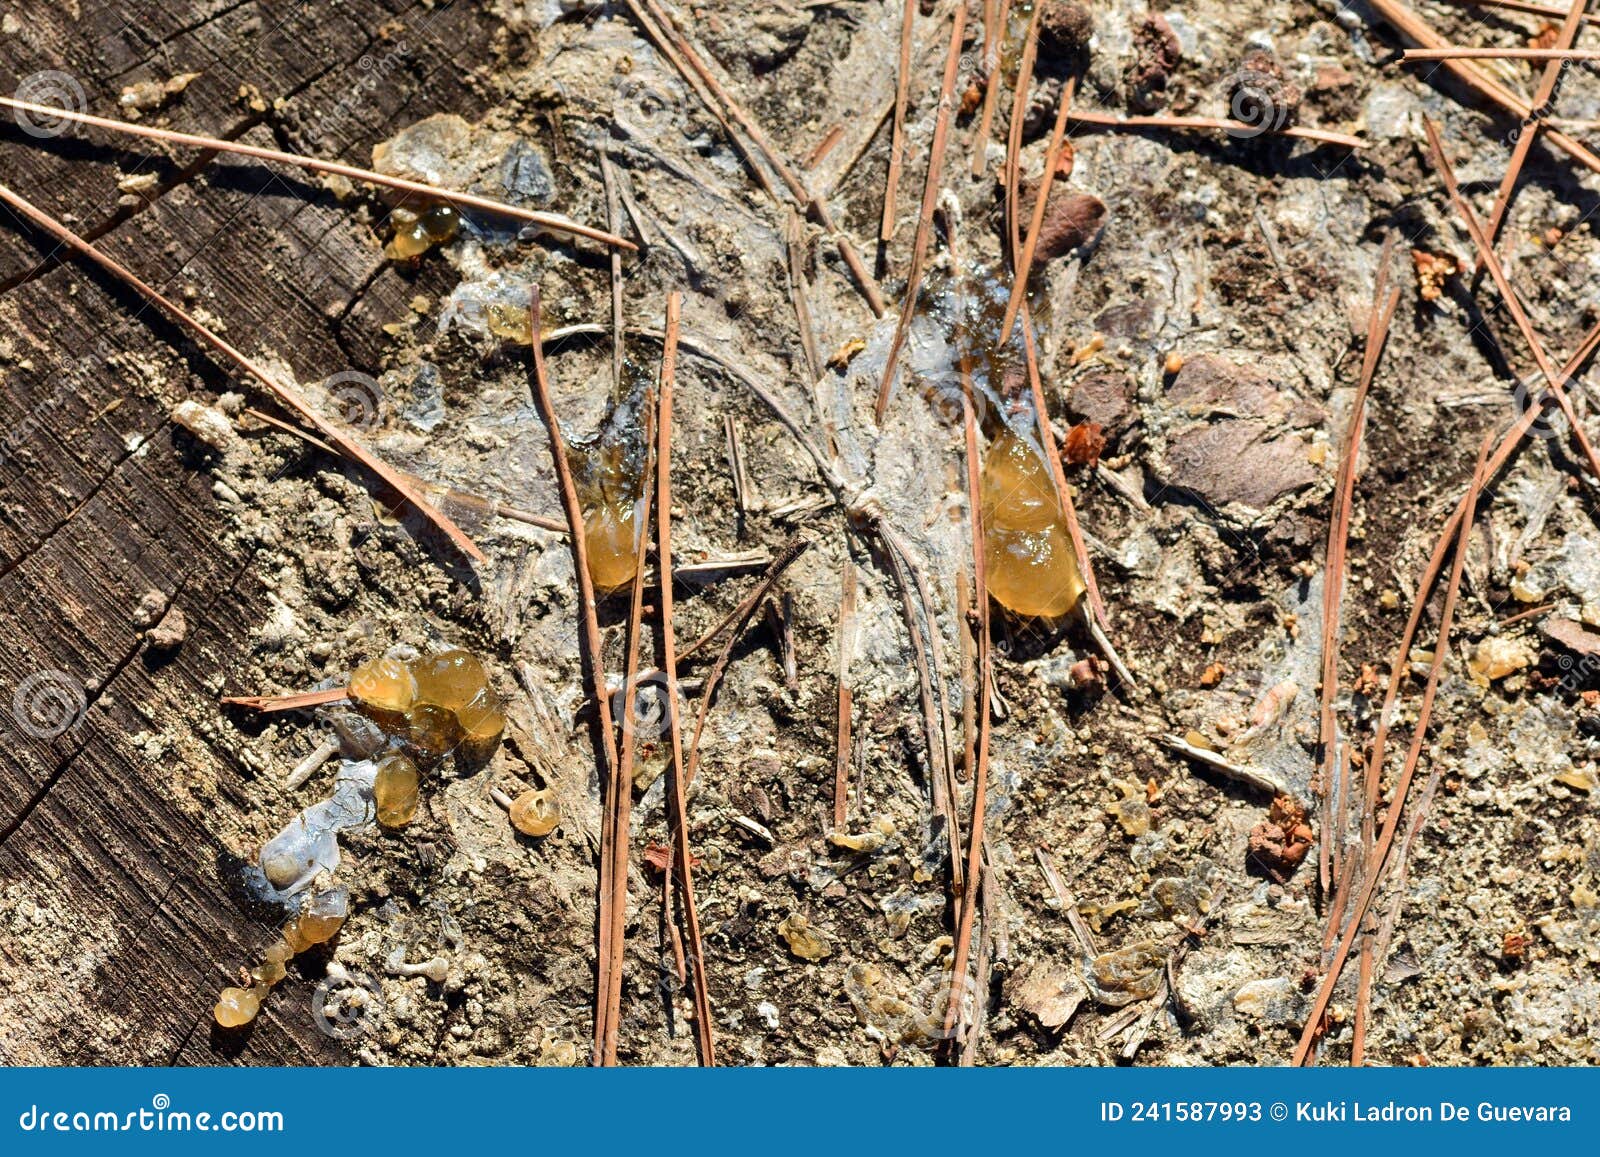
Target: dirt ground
(1213,327)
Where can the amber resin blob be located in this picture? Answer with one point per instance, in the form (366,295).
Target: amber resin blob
(611,517)
(430,706)
(437,703)
(416,233)
(1027,551)
(318,921)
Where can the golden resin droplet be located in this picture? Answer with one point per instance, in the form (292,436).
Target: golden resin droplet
(534,814)
(440,223)
(394,790)
(1028,554)
(611,518)
(320,920)
(236,1006)
(483,720)
(296,940)
(383,685)
(451,679)
(510,322)
(410,238)
(436,704)
(609,530)
(433,730)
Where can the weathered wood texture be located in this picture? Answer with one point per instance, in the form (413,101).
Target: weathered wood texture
(115,927)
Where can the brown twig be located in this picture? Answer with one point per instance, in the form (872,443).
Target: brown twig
(930,198)
(983,972)
(897,140)
(1455,52)
(594,660)
(1502,454)
(916,606)
(1548,80)
(552,221)
(683,862)
(1513,305)
(1375,864)
(995,18)
(1097,609)
(1384,302)
(824,147)
(1376,946)
(1412,26)
(1530,613)
(589,619)
(661,28)
(1019,110)
(286,394)
(1019,277)
(614,830)
(980,769)
(447,496)
(1522,6)
(740,618)
(841,767)
(614,219)
(291,702)
(969,672)
(1110,121)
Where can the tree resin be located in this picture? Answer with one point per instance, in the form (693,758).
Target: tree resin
(435,703)
(612,522)
(416,233)
(1028,554)
(394,791)
(318,921)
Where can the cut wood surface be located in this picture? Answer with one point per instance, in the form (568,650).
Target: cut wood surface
(101,503)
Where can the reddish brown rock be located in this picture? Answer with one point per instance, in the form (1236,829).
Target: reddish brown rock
(1104,397)
(1581,640)
(1070,220)
(1209,385)
(1084,444)
(1238,461)
(1280,842)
